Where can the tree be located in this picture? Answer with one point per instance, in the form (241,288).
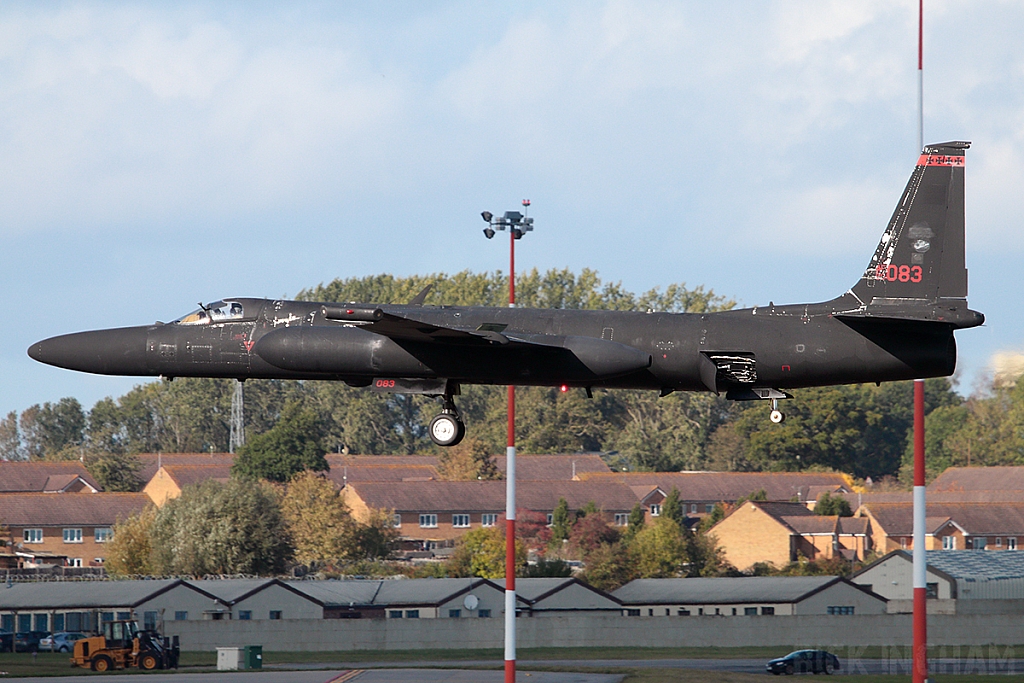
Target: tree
(610,566)
(660,550)
(636,521)
(589,533)
(130,550)
(561,522)
(321,527)
(294,444)
(547,568)
(52,430)
(672,507)
(376,537)
(10,437)
(829,505)
(481,552)
(114,471)
(214,528)
(469,461)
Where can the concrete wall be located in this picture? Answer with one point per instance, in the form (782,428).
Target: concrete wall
(594,631)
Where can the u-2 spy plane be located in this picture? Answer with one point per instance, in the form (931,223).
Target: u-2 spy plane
(895,323)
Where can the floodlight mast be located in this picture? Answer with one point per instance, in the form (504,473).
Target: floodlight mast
(518,224)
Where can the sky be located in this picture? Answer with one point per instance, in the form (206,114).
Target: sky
(153,155)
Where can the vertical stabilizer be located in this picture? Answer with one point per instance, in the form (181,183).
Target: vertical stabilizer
(921,253)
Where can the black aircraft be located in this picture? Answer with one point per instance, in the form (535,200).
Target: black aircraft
(896,323)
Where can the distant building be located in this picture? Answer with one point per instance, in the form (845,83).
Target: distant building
(747,596)
(66,476)
(169,480)
(1004,479)
(780,533)
(75,525)
(948,525)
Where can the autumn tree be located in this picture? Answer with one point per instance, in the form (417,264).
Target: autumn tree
(610,566)
(294,444)
(468,461)
(130,550)
(588,533)
(375,537)
(215,528)
(481,552)
(321,527)
(659,550)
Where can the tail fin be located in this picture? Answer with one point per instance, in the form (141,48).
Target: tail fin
(921,254)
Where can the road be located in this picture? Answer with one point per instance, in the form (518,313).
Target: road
(389,675)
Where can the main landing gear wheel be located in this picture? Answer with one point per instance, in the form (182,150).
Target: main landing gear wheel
(447,430)
(777,416)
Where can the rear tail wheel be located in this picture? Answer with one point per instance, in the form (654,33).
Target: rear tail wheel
(777,416)
(102,663)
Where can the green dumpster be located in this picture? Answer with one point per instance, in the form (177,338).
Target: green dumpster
(253,656)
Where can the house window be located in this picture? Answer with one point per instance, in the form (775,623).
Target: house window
(454,613)
(767,611)
(102,534)
(700,611)
(42,621)
(428,521)
(749,611)
(949,542)
(24,622)
(931,591)
(551,519)
(717,611)
(655,510)
(632,612)
(33,535)
(58,622)
(396,521)
(489,519)
(650,612)
(460,521)
(72,535)
(149,620)
(841,609)
(124,616)
(1011,543)
(693,508)
(98,561)
(412,614)
(979,543)
(999,541)
(903,543)
(181,616)
(621,519)
(395,614)
(683,612)
(709,508)
(245,614)
(485,613)
(74,562)
(275,614)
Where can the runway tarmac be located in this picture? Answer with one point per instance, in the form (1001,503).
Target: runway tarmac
(396,675)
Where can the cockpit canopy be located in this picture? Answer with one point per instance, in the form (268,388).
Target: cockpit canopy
(215,312)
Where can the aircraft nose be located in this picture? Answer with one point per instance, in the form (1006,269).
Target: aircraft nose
(105,352)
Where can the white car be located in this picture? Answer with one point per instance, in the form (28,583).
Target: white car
(60,642)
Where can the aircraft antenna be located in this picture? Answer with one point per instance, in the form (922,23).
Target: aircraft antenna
(237,437)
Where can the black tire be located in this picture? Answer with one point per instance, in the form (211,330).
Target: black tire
(101,663)
(828,666)
(789,669)
(149,661)
(63,648)
(462,433)
(444,430)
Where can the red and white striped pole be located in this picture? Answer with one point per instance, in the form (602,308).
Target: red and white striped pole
(510,496)
(920,559)
(920,567)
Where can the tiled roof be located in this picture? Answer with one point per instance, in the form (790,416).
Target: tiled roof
(190,475)
(28,477)
(340,474)
(78,509)
(779,589)
(554,467)
(999,496)
(489,496)
(151,462)
(1003,478)
(727,486)
(813,524)
(897,519)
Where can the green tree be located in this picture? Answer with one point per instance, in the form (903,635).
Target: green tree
(561,522)
(610,567)
(318,520)
(672,508)
(636,521)
(376,537)
(10,437)
(114,471)
(214,528)
(130,550)
(481,552)
(547,568)
(660,550)
(294,444)
(51,431)
(829,505)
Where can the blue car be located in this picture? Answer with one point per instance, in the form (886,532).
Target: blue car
(804,661)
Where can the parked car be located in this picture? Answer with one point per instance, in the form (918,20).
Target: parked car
(62,641)
(6,638)
(28,641)
(804,661)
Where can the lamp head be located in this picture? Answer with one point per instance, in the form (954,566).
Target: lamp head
(488,232)
(487,216)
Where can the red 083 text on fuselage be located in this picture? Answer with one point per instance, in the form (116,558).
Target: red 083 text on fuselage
(894,273)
